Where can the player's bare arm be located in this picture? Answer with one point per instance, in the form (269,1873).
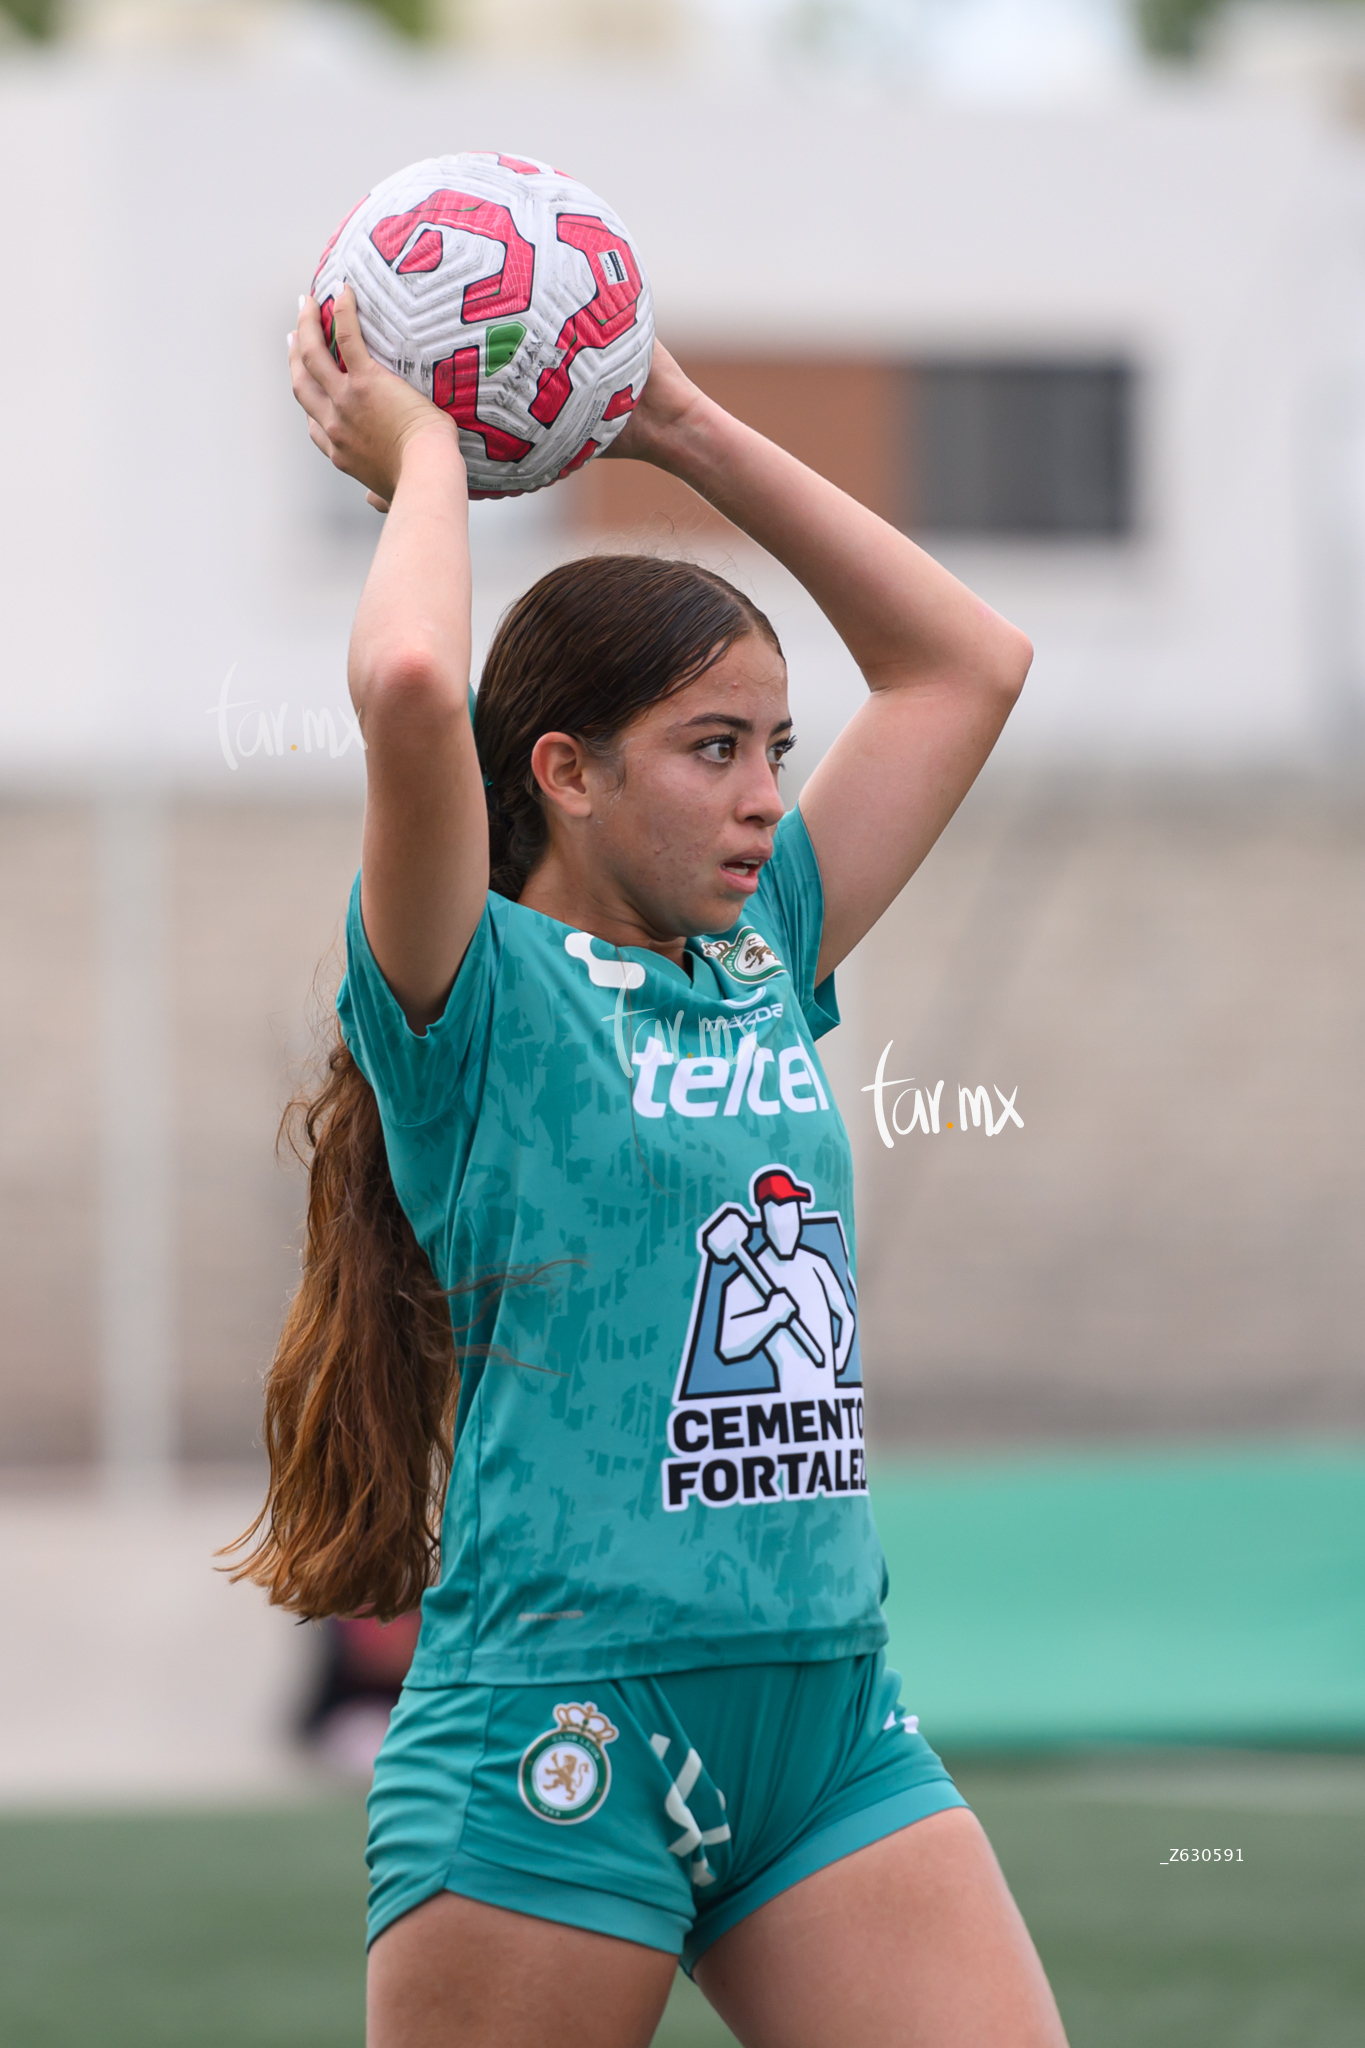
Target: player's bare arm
(942,668)
(426,825)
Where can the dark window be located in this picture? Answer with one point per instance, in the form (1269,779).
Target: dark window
(1020,448)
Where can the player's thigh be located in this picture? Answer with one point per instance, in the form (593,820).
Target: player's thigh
(455,1973)
(912,1942)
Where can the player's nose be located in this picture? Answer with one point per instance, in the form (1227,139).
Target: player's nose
(758,800)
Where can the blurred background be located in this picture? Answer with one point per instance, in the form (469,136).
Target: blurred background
(1073,291)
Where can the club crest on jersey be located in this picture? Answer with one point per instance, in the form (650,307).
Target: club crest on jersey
(565,1774)
(768,1401)
(745,956)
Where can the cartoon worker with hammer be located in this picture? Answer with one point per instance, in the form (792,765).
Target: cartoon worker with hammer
(786,1300)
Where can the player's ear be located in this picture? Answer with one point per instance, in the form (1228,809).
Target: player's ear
(559,765)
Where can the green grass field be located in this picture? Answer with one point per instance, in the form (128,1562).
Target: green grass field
(243,1930)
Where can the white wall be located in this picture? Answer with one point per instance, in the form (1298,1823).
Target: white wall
(146,1676)
(163,519)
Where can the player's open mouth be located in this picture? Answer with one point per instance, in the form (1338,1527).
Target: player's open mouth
(742,874)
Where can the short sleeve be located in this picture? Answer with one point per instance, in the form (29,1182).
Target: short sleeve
(416,1075)
(792,900)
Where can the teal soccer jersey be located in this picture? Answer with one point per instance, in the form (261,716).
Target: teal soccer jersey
(659,1458)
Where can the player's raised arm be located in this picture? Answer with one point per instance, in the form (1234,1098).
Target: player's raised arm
(943,669)
(425,859)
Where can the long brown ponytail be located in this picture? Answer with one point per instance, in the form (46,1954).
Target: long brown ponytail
(360,1400)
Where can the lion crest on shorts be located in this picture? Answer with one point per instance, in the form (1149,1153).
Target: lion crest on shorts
(565,1774)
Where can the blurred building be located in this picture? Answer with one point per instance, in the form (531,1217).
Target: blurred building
(1105,357)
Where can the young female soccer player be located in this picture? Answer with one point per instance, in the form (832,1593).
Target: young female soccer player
(577,1092)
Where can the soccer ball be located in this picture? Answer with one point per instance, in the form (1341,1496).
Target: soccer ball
(509,295)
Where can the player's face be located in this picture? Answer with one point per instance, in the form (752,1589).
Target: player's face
(690,826)
(782,1226)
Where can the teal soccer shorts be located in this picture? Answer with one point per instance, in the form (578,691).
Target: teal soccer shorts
(661,1810)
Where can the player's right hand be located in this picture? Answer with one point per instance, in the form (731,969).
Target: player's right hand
(362,417)
(666,405)
(781,1307)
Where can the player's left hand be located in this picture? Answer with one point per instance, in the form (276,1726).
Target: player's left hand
(668,398)
(360,415)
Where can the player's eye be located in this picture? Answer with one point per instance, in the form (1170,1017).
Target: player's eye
(721,748)
(779,750)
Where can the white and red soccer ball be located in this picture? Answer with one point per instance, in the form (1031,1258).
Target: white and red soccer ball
(509,295)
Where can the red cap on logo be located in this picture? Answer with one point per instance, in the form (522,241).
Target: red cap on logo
(779,1187)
